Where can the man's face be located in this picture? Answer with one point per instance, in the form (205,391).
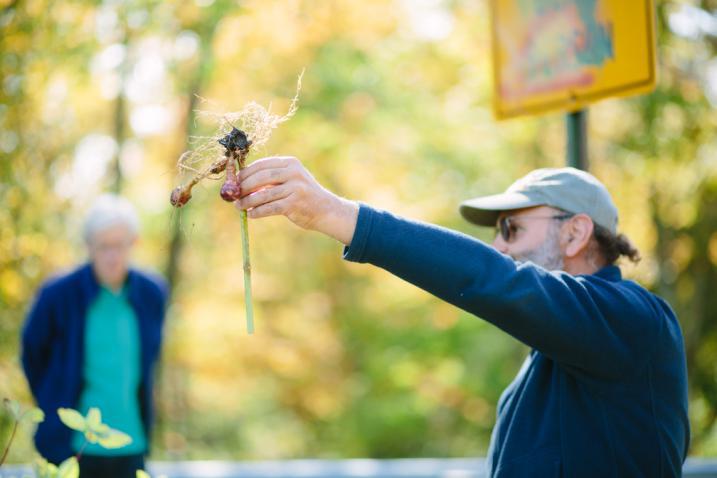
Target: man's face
(532,234)
(109,252)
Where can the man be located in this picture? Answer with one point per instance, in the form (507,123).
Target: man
(603,392)
(91,339)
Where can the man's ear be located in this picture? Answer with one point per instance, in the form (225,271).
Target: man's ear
(577,233)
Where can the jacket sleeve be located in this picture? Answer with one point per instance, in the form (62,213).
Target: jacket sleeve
(584,322)
(37,335)
(160,296)
(163,304)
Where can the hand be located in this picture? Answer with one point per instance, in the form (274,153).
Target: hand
(281,185)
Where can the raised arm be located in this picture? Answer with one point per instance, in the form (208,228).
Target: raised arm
(581,321)
(591,323)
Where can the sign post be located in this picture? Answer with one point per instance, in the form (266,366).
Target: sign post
(562,55)
(577,145)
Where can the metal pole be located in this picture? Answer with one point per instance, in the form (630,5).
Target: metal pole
(577,146)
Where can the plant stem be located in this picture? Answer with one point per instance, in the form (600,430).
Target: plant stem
(82,448)
(7,448)
(247,272)
(244,225)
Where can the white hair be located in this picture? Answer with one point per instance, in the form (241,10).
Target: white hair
(107,211)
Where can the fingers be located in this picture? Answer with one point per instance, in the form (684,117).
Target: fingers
(281,186)
(266,172)
(264,196)
(264,179)
(273,208)
(271,162)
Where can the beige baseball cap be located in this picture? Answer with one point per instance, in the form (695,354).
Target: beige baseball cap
(569,189)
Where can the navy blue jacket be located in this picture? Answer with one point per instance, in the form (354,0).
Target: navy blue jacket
(53,348)
(603,392)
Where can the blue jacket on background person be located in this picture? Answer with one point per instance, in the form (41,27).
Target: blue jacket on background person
(52,348)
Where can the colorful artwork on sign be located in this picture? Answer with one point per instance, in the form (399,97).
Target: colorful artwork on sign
(561,54)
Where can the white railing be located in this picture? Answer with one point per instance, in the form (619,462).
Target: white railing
(357,468)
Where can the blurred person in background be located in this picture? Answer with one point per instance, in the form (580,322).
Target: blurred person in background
(91,339)
(603,391)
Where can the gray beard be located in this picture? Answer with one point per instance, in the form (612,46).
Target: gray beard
(547,255)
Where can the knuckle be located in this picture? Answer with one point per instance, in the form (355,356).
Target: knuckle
(256,199)
(251,202)
(264,177)
(270,193)
(260,211)
(294,164)
(247,185)
(297,171)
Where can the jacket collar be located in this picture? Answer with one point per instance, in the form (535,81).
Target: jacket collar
(611,273)
(90,286)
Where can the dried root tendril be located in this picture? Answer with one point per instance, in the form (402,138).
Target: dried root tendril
(254,120)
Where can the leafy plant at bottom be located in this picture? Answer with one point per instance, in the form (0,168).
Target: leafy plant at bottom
(34,415)
(93,429)
(90,426)
(69,468)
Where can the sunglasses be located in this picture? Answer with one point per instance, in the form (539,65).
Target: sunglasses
(508,229)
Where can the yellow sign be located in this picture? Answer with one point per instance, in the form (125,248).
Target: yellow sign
(564,54)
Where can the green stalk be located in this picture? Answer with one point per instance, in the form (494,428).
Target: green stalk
(7,448)
(247,272)
(78,456)
(244,224)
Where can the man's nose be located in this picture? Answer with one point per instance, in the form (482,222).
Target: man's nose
(500,245)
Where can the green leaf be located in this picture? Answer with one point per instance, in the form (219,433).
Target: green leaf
(94,419)
(115,439)
(91,437)
(142,474)
(69,468)
(102,429)
(44,469)
(13,407)
(35,415)
(72,418)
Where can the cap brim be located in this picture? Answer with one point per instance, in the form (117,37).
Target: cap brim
(484,211)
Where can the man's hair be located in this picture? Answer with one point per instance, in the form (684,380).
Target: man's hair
(613,246)
(107,211)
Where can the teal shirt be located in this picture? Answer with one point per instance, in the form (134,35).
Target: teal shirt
(111,372)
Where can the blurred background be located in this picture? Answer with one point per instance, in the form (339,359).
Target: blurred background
(347,361)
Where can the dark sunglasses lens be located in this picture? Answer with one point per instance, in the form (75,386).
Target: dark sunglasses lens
(504,229)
